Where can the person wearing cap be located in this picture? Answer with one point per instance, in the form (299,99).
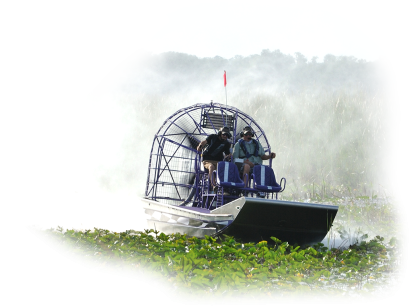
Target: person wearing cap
(218,148)
(249,152)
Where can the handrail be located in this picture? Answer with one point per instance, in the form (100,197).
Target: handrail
(281,190)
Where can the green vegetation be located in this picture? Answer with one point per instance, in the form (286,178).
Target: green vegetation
(208,271)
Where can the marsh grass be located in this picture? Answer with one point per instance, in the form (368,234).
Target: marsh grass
(328,144)
(334,138)
(363,215)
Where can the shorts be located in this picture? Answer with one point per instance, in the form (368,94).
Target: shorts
(241,168)
(207,163)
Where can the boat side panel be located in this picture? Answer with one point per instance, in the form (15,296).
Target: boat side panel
(232,208)
(170,228)
(296,223)
(183,211)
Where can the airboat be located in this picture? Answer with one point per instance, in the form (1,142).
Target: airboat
(179,198)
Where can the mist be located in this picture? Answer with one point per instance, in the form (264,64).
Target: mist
(332,122)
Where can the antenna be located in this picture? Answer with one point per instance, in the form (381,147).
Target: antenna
(224,79)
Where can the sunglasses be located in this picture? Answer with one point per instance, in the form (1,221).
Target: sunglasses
(249,134)
(226,134)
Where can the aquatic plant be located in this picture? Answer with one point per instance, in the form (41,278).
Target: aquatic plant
(226,266)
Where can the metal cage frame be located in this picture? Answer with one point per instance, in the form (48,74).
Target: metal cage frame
(175,173)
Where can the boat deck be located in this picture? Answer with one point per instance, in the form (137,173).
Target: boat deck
(197,209)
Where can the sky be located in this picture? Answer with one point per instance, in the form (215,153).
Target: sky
(230,29)
(61,183)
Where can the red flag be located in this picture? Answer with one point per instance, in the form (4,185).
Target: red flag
(224,78)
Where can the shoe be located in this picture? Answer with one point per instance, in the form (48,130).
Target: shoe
(260,195)
(213,191)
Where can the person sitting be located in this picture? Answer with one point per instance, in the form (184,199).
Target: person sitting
(249,152)
(218,148)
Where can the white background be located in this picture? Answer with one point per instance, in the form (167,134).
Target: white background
(61,182)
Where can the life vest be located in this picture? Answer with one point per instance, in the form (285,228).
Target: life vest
(243,147)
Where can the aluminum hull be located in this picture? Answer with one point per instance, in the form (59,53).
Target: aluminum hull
(247,219)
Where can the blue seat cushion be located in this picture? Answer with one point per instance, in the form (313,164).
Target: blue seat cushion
(265,180)
(268,188)
(228,175)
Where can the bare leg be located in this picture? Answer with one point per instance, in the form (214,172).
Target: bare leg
(212,180)
(247,168)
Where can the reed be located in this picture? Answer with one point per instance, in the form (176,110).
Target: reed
(323,141)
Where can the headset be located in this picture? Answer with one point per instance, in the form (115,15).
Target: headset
(225,130)
(247,128)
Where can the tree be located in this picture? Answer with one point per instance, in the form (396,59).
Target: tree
(329,58)
(300,58)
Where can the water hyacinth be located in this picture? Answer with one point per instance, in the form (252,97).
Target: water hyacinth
(226,266)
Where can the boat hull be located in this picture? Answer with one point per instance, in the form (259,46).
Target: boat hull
(247,219)
(294,222)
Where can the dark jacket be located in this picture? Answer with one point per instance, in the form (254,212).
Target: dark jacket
(215,148)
